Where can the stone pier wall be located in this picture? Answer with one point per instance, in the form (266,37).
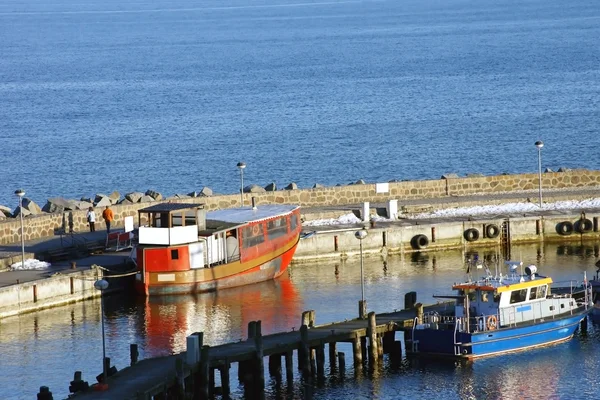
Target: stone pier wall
(48,224)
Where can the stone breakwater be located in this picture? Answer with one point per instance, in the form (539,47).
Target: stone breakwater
(48,224)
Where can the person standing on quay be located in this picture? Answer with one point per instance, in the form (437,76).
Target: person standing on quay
(108,216)
(91,218)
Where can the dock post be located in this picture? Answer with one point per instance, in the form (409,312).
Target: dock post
(388,342)
(363,347)
(372,333)
(45,393)
(584,324)
(251,329)
(275,367)
(289,366)
(180,388)
(396,351)
(357,352)
(133,353)
(259,380)
(419,308)
(332,356)
(204,372)
(313,362)
(308,318)
(224,370)
(342,362)
(320,361)
(304,352)
(410,300)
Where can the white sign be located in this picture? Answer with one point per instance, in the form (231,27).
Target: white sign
(382,188)
(129,224)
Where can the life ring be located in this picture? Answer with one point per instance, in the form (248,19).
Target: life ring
(564,228)
(492,231)
(420,242)
(492,322)
(471,234)
(583,225)
(255,230)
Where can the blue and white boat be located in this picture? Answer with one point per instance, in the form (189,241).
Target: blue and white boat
(500,314)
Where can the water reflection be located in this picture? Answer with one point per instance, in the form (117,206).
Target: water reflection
(46,347)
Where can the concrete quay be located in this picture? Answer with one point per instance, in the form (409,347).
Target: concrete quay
(25,291)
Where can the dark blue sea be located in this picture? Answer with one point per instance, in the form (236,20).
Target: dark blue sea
(109,95)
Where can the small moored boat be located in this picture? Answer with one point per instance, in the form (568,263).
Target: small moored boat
(500,314)
(184,249)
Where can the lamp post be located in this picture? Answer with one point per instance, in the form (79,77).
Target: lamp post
(362,304)
(102,285)
(241,166)
(539,144)
(20,193)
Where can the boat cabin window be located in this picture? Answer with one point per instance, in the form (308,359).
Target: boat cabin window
(518,296)
(294,221)
(484,297)
(496,297)
(277,227)
(541,292)
(175,254)
(252,235)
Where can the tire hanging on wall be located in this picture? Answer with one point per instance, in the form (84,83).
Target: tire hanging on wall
(471,235)
(419,242)
(583,225)
(492,231)
(564,228)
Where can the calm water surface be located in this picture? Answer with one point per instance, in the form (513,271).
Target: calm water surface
(46,347)
(170,95)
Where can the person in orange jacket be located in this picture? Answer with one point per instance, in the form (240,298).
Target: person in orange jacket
(108,216)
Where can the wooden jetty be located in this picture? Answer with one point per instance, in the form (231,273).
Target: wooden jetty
(191,374)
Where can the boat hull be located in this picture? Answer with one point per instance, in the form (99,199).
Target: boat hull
(219,277)
(500,341)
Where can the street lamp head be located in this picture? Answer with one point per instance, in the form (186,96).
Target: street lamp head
(101,284)
(241,165)
(360,235)
(539,144)
(20,192)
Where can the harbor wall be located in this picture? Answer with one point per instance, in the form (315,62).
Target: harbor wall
(399,237)
(45,225)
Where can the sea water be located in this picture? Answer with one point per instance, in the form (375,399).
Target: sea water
(97,96)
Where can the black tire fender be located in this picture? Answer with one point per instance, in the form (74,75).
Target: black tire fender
(471,235)
(419,242)
(492,231)
(564,228)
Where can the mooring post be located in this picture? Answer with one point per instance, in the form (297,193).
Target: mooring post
(251,329)
(204,372)
(419,312)
(304,351)
(225,386)
(363,347)
(584,324)
(289,366)
(312,318)
(133,353)
(380,346)
(332,356)
(357,352)
(372,333)
(45,393)
(410,299)
(313,362)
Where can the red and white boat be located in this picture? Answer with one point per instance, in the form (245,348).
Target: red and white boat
(184,249)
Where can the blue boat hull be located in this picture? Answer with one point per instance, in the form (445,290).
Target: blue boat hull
(489,343)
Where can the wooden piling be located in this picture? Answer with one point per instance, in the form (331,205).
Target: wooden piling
(225,386)
(320,360)
(259,380)
(380,346)
(332,356)
(275,367)
(179,373)
(364,348)
(357,352)
(204,372)
(313,362)
(584,324)
(342,363)
(133,353)
(388,342)
(304,352)
(373,342)
(308,318)
(419,312)
(251,329)
(289,366)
